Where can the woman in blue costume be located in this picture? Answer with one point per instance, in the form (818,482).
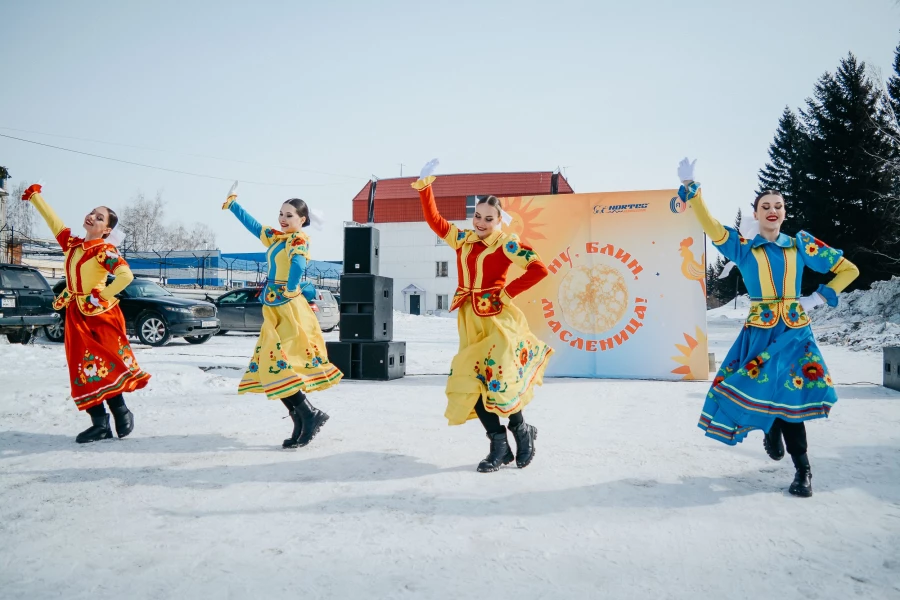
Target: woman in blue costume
(773,378)
(290,356)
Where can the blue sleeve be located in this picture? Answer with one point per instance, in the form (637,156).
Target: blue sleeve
(816,254)
(309,291)
(246,220)
(298,268)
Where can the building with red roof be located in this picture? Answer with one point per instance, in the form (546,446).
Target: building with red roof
(422,266)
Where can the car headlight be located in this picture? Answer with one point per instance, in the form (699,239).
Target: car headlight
(174,309)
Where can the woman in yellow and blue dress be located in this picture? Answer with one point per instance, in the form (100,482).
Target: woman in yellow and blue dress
(290,359)
(102,366)
(499,360)
(773,378)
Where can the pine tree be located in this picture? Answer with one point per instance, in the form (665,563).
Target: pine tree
(846,195)
(711,283)
(893,86)
(785,171)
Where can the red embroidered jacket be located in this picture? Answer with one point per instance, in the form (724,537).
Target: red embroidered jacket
(482,263)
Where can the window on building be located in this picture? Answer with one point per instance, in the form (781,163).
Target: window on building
(439,241)
(441,269)
(471,201)
(442,302)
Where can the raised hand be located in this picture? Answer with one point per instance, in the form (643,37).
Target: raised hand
(429,168)
(686,170)
(232,196)
(34,188)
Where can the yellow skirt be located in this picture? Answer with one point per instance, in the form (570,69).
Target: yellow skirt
(498,359)
(290,354)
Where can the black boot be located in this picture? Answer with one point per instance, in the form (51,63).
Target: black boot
(524,435)
(500,453)
(307,418)
(291,442)
(802,485)
(99,430)
(123,417)
(773,442)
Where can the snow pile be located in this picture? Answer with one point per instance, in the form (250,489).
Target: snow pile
(730,311)
(863,319)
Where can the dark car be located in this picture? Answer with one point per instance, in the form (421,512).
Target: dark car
(241,310)
(154,315)
(26,303)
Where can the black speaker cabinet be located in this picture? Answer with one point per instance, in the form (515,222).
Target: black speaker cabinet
(361,250)
(379,361)
(367,308)
(383,360)
(339,353)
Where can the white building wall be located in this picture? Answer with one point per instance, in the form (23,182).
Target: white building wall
(408,254)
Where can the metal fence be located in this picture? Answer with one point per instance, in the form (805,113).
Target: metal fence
(196,269)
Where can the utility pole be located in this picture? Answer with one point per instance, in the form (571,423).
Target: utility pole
(401,169)
(4,195)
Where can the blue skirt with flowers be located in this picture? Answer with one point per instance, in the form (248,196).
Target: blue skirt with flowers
(768,374)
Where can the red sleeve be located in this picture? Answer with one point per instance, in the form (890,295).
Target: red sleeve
(62,238)
(533,274)
(438,224)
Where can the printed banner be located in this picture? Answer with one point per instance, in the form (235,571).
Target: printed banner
(626,293)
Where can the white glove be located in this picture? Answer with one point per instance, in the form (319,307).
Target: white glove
(233,190)
(429,168)
(686,170)
(810,302)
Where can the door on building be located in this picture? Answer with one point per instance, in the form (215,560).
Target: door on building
(414,304)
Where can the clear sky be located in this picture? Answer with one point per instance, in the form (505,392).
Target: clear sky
(614,92)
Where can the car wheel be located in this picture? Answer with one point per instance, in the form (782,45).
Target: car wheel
(198,339)
(221,332)
(23,336)
(153,331)
(56,333)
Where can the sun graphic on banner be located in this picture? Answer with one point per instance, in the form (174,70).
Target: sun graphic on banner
(525,221)
(694,361)
(593,299)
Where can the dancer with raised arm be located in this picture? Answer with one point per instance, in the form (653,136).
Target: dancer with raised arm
(102,366)
(773,378)
(290,359)
(499,360)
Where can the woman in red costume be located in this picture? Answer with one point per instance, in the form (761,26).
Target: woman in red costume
(499,360)
(101,363)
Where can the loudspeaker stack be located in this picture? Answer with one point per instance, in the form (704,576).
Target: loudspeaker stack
(366,349)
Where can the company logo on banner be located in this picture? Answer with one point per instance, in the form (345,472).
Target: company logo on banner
(618,208)
(626,293)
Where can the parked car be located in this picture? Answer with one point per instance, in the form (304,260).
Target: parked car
(154,315)
(241,310)
(26,303)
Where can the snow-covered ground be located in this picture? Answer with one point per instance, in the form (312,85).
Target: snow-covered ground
(625,499)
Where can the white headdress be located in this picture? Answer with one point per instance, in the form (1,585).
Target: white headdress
(116,236)
(317,219)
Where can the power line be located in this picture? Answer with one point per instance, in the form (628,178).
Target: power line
(234,160)
(137,164)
